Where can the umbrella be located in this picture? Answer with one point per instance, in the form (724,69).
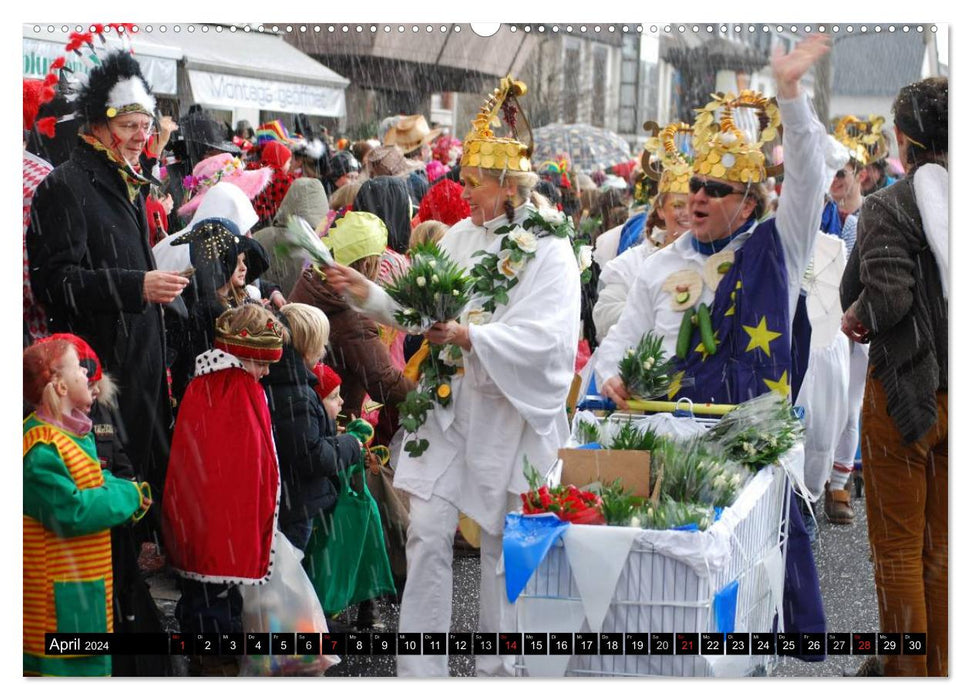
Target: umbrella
(822,281)
(589,148)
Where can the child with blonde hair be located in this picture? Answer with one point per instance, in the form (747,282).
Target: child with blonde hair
(69,506)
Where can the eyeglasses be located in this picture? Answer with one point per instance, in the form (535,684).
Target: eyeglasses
(132,127)
(715,190)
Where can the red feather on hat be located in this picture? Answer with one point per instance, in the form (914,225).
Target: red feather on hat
(46,126)
(36,93)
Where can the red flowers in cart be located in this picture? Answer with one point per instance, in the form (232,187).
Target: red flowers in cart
(567,502)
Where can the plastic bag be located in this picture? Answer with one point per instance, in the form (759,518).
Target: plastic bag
(286,603)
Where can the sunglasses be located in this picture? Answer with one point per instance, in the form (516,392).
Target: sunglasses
(715,190)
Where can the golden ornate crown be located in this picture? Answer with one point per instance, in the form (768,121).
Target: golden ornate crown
(723,149)
(865,139)
(482,148)
(664,158)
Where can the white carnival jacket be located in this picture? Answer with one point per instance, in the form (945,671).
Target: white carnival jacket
(510,403)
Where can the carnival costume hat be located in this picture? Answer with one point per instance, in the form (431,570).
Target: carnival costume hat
(389,160)
(327,380)
(37,93)
(113,88)
(356,235)
(865,139)
(223,168)
(725,148)
(444,203)
(410,133)
(86,355)
(205,133)
(668,156)
(215,245)
(265,346)
(273,131)
(482,148)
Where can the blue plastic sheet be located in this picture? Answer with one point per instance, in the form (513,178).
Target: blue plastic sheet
(725,603)
(525,542)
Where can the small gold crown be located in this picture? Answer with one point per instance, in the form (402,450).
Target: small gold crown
(865,139)
(670,165)
(482,148)
(723,150)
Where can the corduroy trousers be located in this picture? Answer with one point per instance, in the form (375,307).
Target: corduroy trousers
(906,503)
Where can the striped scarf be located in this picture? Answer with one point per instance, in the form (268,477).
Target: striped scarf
(133,181)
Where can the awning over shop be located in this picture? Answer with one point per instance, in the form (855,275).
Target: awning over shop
(229,91)
(158,62)
(255,70)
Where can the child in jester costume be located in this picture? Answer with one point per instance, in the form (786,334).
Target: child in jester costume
(70,504)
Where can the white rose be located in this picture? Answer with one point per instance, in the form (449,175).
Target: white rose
(585,257)
(551,215)
(476,317)
(635,522)
(455,292)
(434,279)
(524,240)
(630,352)
(507,266)
(432,263)
(420,281)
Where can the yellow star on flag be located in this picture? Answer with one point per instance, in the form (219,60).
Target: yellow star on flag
(760,337)
(731,309)
(705,353)
(781,386)
(675,384)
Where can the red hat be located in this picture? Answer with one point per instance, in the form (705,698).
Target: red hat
(87,356)
(327,380)
(275,154)
(444,203)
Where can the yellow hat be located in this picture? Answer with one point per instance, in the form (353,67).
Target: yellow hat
(668,155)
(723,149)
(865,139)
(482,148)
(356,235)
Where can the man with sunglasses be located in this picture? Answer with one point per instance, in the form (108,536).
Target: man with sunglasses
(90,263)
(747,273)
(727,201)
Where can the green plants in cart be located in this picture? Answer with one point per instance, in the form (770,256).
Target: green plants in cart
(645,369)
(757,432)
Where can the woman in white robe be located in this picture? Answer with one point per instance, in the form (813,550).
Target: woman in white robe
(508,405)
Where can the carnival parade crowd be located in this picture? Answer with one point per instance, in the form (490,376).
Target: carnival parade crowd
(198,397)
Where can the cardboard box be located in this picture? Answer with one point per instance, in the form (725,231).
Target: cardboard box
(632,467)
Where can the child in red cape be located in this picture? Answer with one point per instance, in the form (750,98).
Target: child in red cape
(222,490)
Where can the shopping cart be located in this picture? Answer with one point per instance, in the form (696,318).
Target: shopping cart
(673,582)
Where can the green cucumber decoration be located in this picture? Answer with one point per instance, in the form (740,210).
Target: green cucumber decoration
(704,325)
(685,333)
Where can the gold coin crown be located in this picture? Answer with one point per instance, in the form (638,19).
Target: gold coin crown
(864,138)
(722,149)
(662,160)
(482,148)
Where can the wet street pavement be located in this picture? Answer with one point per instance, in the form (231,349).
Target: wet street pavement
(842,559)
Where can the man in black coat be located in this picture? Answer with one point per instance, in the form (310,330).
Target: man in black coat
(90,262)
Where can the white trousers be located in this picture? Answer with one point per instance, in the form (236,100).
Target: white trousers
(850,438)
(426,605)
